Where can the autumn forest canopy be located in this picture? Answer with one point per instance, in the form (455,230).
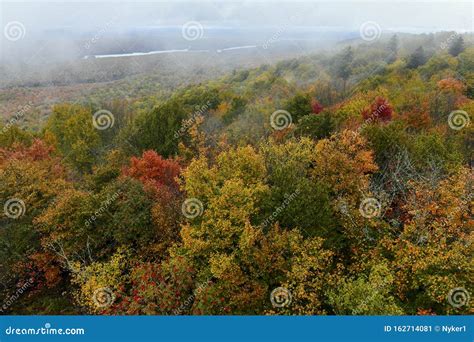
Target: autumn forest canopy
(335,183)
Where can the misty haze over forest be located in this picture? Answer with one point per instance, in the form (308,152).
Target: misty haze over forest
(65,31)
(69,46)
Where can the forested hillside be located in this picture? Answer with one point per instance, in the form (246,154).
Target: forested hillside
(336,183)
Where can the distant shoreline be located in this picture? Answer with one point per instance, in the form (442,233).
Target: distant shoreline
(134,54)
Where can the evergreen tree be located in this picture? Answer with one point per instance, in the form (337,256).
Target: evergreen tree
(344,65)
(417,58)
(393,49)
(156,129)
(299,105)
(457,46)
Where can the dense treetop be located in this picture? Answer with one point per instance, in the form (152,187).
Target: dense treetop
(343,178)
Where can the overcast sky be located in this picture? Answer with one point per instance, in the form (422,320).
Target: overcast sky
(92,15)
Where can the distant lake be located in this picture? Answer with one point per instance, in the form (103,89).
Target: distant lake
(134,54)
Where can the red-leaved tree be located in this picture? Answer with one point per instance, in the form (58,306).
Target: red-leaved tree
(38,150)
(379,111)
(316,107)
(152,169)
(159,177)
